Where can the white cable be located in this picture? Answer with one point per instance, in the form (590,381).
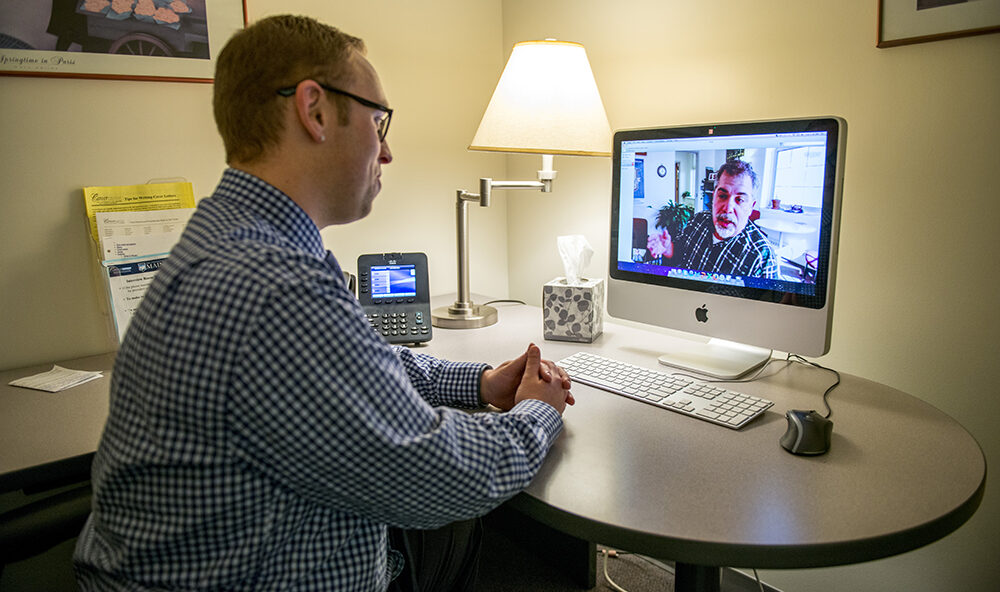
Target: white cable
(611,582)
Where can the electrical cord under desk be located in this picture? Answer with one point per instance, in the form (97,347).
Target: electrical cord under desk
(607,552)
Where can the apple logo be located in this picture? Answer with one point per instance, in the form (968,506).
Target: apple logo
(701,314)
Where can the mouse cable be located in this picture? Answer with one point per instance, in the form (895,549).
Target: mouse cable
(503,302)
(790,358)
(826,394)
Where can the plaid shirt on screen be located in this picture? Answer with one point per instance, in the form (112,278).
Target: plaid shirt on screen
(747,254)
(261,436)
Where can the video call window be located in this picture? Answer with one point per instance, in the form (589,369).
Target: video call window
(670,185)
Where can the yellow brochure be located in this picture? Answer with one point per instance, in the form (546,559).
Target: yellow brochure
(135,198)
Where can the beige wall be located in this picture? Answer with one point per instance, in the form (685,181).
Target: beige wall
(916,303)
(438,61)
(916,292)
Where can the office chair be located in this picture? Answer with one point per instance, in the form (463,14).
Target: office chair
(38,526)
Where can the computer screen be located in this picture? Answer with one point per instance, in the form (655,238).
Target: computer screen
(728,231)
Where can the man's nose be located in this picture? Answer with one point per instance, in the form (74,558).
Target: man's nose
(385,155)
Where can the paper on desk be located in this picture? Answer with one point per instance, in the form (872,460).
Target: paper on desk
(55,380)
(140,234)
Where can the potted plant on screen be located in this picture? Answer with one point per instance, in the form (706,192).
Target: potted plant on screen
(673,217)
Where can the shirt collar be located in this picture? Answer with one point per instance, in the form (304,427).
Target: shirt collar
(274,206)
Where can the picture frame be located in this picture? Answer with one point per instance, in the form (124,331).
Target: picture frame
(905,22)
(158,40)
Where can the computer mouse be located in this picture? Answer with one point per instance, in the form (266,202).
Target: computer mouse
(808,432)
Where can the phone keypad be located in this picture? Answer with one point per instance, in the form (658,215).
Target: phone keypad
(401,326)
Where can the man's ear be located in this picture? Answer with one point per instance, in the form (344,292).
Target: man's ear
(312,107)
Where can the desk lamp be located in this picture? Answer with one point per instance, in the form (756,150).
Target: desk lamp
(546,103)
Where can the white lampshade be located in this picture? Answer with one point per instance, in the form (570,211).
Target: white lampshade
(546,103)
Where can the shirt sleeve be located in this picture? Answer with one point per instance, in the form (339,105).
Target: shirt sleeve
(441,382)
(326,408)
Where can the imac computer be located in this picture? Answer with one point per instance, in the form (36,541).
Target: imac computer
(729,232)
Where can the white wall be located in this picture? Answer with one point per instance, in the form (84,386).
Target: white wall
(438,62)
(916,293)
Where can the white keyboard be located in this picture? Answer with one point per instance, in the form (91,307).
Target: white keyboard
(698,399)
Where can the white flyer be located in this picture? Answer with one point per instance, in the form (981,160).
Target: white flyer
(141,233)
(127,281)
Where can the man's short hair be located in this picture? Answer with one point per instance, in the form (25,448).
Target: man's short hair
(735,167)
(275,52)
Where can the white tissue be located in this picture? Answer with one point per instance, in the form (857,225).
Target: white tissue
(576,253)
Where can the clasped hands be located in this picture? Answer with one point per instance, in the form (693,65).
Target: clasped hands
(526,377)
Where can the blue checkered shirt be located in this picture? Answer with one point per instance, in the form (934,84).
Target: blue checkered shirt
(261,436)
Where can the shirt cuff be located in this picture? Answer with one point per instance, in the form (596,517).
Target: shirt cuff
(459,384)
(548,418)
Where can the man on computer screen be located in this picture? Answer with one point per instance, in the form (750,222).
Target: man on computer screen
(724,239)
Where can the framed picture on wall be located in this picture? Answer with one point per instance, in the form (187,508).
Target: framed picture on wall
(903,22)
(168,40)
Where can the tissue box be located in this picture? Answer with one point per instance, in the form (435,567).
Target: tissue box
(573,312)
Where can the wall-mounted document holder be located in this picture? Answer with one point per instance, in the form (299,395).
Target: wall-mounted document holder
(133,228)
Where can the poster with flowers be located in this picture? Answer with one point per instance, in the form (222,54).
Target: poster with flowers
(173,40)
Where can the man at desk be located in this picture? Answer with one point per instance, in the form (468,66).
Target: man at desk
(261,436)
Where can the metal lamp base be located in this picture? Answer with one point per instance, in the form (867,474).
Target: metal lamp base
(473,316)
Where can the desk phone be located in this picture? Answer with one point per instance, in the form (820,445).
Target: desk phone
(393,290)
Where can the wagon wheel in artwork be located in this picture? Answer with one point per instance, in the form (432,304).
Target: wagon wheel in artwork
(141,44)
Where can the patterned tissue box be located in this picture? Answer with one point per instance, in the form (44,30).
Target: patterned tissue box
(573,312)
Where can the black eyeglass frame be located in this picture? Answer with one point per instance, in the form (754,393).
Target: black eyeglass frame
(383,126)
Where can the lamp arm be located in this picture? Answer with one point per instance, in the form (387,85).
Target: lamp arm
(487,185)
(458,314)
(484,197)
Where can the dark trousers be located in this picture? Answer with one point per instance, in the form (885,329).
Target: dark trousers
(442,560)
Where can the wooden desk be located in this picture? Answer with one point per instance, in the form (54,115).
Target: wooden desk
(900,473)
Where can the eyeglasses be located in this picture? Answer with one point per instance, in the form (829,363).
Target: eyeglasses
(383,124)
